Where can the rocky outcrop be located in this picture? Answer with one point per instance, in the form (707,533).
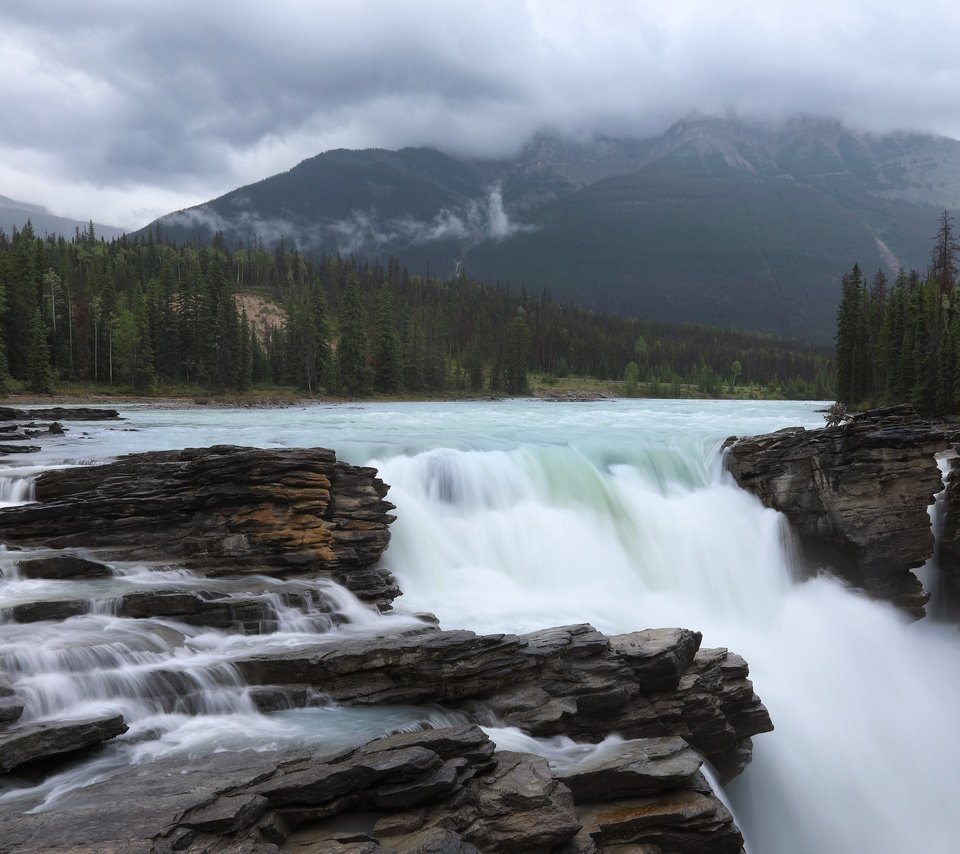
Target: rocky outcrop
(571,681)
(234,515)
(436,790)
(857,495)
(220,510)
(58,413)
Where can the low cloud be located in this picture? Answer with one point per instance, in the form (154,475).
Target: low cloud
(484,219)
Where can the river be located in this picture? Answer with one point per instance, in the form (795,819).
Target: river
(517,515)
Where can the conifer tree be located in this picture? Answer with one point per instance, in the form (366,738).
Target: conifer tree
(852,355)
(39,375)
(352,349)
(516,352)
(387,362)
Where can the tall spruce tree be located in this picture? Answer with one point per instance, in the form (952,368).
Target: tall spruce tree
(352,348)
(852,339)
(387,356)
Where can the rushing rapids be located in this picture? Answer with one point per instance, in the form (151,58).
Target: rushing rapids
(518,516)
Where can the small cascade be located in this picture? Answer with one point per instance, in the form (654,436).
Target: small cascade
(156,645)
(16,489)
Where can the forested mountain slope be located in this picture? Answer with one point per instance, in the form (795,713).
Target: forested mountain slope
(717,221)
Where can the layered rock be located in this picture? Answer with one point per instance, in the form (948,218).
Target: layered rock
(220,510)
(571,680)
(857,495)
(436,790)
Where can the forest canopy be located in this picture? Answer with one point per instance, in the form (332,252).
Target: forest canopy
(143,313)
(900,342)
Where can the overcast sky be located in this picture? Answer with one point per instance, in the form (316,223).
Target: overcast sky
(121,111)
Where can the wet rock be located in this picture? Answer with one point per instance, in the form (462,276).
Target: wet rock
(570,680)
(857,495)
(631,768)
(433,791)
(220,510)
(58,413)
(31,742)
(52,609)
(63,566)
(6,450)
(11,708)
(684,820)
(659,657)
(520,806)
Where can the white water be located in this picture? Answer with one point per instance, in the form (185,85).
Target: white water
(520,515)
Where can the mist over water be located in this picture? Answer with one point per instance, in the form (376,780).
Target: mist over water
(519,515)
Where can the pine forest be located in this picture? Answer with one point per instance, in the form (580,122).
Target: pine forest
(145,315)
(899,342)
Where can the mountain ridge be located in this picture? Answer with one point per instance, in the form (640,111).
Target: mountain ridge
(15,214)
(717,221)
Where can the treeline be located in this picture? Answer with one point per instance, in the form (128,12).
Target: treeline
(142,313)
(900,342)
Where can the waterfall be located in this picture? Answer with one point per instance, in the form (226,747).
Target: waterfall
(15,489)
(518,515)
(864,703)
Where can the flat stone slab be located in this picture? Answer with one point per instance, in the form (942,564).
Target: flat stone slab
(31,742)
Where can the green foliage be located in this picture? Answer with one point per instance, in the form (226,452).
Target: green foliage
(142,314)
(387,361)
(902,345)
(631,373)
(39,374)
(352,348)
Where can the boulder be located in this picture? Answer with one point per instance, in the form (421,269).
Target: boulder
(856,495)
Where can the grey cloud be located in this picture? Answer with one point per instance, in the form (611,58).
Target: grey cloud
(198,98)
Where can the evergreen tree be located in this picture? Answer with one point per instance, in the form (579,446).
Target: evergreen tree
(39,375)
(852,353)
(473,366)
(387,361)
(631,374)
(352,349)
(943,266)
(516,352)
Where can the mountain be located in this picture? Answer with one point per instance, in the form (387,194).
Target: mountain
(717,221)
(14,214)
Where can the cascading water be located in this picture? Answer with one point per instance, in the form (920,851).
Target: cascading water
(866,744)
(520,515)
